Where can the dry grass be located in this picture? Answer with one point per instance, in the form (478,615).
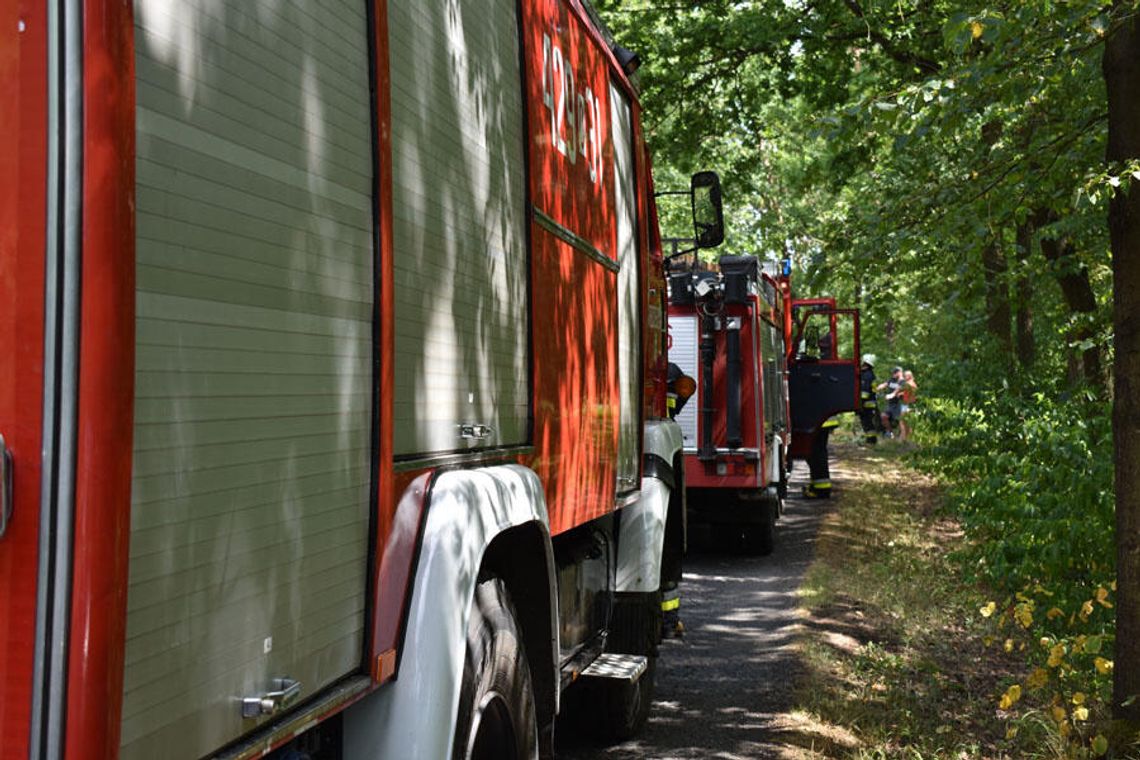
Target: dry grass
(891,642)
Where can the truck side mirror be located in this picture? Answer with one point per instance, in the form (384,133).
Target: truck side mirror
(708,214)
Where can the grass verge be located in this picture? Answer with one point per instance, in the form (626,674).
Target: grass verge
(892,642)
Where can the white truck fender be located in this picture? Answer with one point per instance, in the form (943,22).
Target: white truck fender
(642,535)
(414,715)
(774,458)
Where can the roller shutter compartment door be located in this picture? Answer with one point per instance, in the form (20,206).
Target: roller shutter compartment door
(253,411)
(629,304)
(684,351)
(459,220)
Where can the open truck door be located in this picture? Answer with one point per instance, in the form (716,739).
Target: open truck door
(823,368)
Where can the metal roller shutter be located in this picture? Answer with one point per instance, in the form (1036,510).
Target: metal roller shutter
(460,225)
(684,351)
(253,408)
(629,307)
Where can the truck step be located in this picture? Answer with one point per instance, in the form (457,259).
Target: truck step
(625,667)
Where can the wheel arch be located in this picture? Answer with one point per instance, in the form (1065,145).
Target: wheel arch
(523,559)
(476,521)
(642,531)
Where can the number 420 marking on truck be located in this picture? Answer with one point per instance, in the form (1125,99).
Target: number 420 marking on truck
(574,116)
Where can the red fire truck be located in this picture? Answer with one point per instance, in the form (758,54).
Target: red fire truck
(726,330)
(333,395)
(763,391)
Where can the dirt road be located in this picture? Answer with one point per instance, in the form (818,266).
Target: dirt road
(724,689)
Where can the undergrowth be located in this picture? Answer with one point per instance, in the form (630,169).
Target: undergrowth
(1031,482)
(893,645)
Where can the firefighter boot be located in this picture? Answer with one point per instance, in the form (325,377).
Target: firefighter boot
(671,625)
(817,490)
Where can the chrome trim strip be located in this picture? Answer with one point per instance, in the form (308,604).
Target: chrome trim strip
(333,699)
(466,458)
(61,362)
(568,236)
(747,453)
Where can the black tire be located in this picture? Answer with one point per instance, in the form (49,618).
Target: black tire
(782,486)
(726,538)
(760,538)
(496,717)
(624,707)
(635,628)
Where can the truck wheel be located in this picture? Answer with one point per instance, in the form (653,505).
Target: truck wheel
(625,706)
(760,537)
(726,537)
(619,709)
(496,717)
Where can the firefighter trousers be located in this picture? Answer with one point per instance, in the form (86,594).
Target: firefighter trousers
(869,420)
(817,463)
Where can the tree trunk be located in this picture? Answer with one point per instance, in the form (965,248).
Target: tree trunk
(1026,345)
(998,312)
(1121,66)
(1076,288)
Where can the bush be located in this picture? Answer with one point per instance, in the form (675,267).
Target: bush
(1031,481)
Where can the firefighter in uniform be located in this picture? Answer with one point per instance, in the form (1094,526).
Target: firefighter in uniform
(680,387)
(869,409)
(820,486)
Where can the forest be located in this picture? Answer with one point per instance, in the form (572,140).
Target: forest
(961,172)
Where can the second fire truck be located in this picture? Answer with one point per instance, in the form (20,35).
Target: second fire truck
(770,373)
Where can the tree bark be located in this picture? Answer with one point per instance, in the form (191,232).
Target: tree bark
(1076,288)
(1026,345)
(998,312)
(1121,67)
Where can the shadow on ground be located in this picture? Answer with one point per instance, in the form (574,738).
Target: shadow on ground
(725,690)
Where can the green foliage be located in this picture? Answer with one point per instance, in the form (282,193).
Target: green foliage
(940,165)
(884,145)
(1031,481)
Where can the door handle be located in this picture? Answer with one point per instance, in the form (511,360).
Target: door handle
(5,486)
(285,690)
(475,431)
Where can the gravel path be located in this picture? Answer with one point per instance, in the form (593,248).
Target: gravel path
(723,689)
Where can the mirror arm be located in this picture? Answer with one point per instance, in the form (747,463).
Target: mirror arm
(659,193)
(675,254)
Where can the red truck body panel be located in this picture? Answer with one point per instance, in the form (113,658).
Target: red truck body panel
(811,406)
(575,394)
(737,469)
(746,466)
(23,188)
(106,384)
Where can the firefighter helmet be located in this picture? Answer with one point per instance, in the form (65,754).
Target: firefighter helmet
(869,360)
